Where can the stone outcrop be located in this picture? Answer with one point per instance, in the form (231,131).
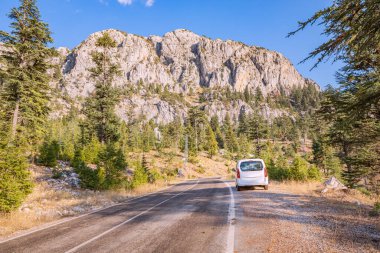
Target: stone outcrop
(154,109)
(180,60)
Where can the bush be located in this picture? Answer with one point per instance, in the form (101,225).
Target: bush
(376,210)
(200,170)
(153,176)
(49,153)
(278,170)
(140,176)
(314,173)
(87,176)
(299,169)
(15,182)
(91,151)
(110,165)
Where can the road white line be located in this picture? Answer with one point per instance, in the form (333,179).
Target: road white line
(124,222)
(231,222)
(83,215)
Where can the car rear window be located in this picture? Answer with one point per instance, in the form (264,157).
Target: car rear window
(251,166)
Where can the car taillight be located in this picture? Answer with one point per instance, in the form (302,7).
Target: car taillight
(237,173)
(265,172)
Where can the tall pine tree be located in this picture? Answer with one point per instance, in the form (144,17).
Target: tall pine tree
(25,90)
(211,143)
(99,107)
(24,95)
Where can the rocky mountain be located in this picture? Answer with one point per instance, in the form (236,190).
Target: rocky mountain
(181,62)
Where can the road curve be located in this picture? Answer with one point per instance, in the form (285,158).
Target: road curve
(194,216)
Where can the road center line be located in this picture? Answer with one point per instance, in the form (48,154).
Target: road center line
(231,221)
(124,222)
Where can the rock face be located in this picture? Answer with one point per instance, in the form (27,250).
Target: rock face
(154,109)
(181,60)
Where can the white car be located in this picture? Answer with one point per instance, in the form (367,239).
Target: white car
(251,172)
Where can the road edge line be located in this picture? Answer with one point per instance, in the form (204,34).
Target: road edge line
(231,221)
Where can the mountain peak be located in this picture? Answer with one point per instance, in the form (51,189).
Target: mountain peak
(182,58)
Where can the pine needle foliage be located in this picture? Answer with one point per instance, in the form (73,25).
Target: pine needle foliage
(25,89)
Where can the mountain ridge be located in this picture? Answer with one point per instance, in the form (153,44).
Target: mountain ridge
(182,60)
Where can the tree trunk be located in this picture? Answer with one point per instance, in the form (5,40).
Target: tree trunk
(15,119)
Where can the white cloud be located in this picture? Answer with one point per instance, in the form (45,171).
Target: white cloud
(149,3)
(125,2)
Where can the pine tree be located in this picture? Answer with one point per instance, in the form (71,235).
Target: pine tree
(214,123)
(148,136)
(99,106)
(15,182)
(110,165)
(49,153)
(257,129)
(243,124)
(247,95)
(231,143)
(211,143)
(198,122)
(259,98)
(25,89)
(352,111)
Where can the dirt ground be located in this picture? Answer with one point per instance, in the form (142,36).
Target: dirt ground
(291,220)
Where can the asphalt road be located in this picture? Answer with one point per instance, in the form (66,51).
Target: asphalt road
(207,215)
(194,216)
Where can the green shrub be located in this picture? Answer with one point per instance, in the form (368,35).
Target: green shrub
(314,173)
(91,151)
(49,153)
(193,160)
(278,173)
(153,176)
(279,169)
(200,170)
(364,191)
(170,173)
(15,181)
(376,210)
(87,176)
(299,169)
(140,176)
(110,166)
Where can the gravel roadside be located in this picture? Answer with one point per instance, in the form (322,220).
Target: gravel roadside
(279,221)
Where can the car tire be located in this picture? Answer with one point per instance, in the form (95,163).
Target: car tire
(266,187)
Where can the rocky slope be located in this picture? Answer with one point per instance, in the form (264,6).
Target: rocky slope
(181,62)
(182,59)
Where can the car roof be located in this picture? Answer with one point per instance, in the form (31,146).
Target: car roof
(253,159)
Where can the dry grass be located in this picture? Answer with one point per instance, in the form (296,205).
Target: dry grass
(309,188)
(202,166)
(315,188)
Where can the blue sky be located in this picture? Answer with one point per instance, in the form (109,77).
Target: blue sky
(255,22)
